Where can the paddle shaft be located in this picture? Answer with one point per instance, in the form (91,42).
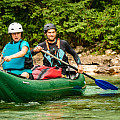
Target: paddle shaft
(66,63)
(2,62)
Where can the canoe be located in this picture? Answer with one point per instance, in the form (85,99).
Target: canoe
(21,90)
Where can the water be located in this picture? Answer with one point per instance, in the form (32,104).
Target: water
(97,104)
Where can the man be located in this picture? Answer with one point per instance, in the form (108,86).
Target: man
(56,47)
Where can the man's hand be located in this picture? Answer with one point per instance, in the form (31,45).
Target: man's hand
(80,69)
(37,49)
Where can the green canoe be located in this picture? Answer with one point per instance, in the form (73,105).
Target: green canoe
(16,89)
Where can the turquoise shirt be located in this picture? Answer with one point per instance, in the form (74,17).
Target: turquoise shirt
(18,72)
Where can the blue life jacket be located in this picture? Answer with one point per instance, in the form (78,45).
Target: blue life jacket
(58,52)
(16,63)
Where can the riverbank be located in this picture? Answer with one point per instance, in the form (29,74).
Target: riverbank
(92,64)
(109,63)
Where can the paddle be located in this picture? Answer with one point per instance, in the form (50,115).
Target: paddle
(101,83)
(2,62)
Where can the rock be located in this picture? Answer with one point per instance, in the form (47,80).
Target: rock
(108,52)
(115,69)
(111,70)
(102,70)
(89,68)
(113,53)
(79,49)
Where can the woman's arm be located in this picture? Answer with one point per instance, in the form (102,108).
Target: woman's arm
(17,55)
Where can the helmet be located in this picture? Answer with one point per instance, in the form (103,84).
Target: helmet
(15,27)
(49,26)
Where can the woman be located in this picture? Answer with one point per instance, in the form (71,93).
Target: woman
(16,54)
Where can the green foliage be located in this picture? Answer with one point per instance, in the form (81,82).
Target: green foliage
(28,13)
(80,22)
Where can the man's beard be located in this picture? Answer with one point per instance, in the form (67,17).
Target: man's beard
(51,40)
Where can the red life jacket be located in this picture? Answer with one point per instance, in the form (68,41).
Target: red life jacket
(44,72)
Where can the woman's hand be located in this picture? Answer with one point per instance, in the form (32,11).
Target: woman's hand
(7,58)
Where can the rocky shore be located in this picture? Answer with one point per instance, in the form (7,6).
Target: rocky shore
(92,64)
(101,64)
(109,63)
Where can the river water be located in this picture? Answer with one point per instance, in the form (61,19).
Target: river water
(96,104)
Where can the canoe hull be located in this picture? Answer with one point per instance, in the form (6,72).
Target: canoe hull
(15,89)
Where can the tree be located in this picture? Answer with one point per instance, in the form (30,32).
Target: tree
(20,11)
(80,22)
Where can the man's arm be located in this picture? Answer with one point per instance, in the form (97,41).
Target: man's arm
(37,49)
(76,57)
(73,53)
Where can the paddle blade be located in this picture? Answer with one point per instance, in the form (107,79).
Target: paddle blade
(105,85)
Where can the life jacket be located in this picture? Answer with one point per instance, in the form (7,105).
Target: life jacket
(59,53)
(44,72)
(16,63)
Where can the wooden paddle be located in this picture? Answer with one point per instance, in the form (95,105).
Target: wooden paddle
(101,83)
